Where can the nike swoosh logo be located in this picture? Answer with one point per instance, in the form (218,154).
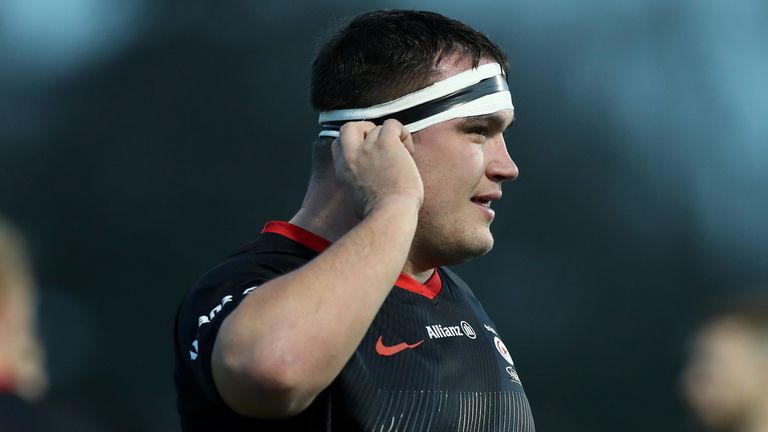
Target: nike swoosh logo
(387,351)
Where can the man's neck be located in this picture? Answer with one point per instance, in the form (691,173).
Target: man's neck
(421,274)
(327,210)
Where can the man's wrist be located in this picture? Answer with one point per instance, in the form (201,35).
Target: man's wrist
(401,203)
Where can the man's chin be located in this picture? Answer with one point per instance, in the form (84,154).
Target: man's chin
(483,241)
(450,247)
(483,249)
(468,251)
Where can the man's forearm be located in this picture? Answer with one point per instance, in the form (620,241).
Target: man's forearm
(292,336)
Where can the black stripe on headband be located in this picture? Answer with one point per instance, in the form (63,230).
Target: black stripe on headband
(494,84)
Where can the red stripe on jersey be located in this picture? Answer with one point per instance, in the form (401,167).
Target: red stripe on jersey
(429,289)
(297,234)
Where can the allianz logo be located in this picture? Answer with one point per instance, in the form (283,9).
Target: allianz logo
(439,331)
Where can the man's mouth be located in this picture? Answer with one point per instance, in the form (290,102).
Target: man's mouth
(482,202)
(485,199)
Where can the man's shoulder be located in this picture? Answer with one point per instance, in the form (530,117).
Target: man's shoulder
(240,272)
(267,256)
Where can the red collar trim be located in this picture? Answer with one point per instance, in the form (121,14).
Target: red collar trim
(429,289)
(297,234)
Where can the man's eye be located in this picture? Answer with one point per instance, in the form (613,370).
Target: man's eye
(478,130)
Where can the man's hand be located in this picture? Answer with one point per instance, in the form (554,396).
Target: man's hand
(377,163)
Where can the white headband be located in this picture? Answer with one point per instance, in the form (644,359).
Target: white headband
(478,91)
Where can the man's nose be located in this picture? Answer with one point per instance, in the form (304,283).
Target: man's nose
(501,167)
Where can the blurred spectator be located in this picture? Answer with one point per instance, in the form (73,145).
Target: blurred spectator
(22,377)
(725,382)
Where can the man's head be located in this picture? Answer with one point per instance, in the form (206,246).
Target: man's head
(385,55)
(382,55)
(726,379)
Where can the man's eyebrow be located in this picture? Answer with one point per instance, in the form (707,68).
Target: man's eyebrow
(495,119)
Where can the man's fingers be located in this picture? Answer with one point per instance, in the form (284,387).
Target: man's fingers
(346,147)
(393,128)
(408,142)
(356,131)
(351,137)
(373,134)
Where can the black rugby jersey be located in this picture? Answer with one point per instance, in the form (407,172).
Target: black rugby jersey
(432,359)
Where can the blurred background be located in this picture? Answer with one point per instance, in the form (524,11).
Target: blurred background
(140,141)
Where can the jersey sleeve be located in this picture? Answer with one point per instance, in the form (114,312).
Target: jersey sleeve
(200,316)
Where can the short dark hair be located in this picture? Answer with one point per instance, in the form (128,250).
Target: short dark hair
(382,55)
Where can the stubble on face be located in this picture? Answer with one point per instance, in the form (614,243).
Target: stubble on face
(448,242)
(450,230)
